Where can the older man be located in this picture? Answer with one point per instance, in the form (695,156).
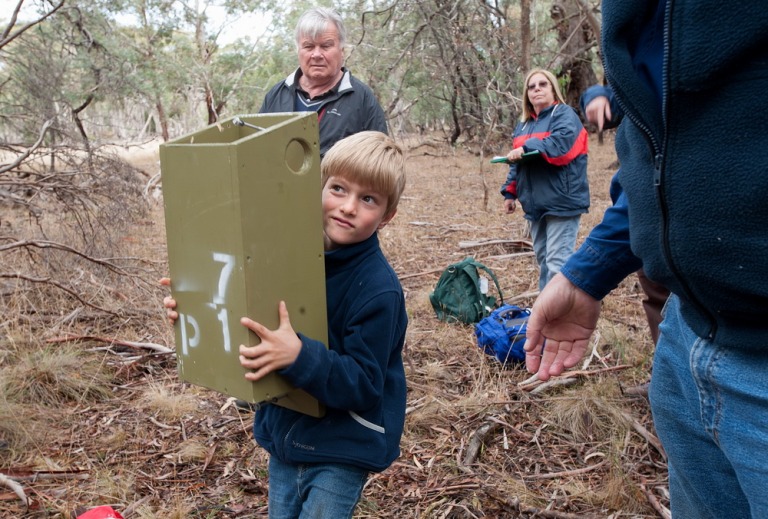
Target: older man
(322,84)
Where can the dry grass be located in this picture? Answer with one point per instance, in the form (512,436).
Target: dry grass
(475,445)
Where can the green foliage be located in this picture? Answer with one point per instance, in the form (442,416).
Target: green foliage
(172,66)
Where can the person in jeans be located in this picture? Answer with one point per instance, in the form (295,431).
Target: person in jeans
(691,77)
(548,172)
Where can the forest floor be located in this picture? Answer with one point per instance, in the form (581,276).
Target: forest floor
(478,441)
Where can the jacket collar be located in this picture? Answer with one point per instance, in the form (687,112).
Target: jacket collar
(343,85)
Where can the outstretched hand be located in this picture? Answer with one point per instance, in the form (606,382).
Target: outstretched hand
(561,322)
(278,348)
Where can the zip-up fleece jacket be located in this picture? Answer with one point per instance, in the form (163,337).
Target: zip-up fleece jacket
(555,183)
(350,107)
(694,167)
(360,377)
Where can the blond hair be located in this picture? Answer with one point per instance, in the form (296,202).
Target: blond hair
(528,110)
(371,159)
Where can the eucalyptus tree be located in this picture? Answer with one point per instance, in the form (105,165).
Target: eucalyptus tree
(458,65)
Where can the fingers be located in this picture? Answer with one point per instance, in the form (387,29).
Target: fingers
(277,349)
(255,327)
(598,110)
(169,304)
(515,155)
(166,282)
(285,320)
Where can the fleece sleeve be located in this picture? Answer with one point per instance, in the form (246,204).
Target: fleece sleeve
(605,258)
(353,377)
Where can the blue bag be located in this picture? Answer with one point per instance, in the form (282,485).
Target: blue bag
(502,333)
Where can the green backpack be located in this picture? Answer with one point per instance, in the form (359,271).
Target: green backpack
(459,294)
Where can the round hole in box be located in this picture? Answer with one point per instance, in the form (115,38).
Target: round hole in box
(298,156)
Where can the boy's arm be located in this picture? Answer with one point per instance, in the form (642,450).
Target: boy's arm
(352,375)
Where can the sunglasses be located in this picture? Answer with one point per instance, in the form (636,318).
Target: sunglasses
(540,84)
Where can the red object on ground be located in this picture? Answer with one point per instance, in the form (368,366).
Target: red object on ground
(101,512)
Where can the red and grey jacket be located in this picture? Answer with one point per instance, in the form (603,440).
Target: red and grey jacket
(350,107)
(554,183)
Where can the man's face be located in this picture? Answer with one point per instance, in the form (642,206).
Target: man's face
(320,58)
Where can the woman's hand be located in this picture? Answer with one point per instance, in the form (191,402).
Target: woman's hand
(516,154)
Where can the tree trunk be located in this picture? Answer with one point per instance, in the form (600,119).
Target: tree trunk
(576,38)
(525,35)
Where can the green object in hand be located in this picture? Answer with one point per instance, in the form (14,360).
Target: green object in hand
(500,159)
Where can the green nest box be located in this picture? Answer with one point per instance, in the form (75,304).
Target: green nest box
(243,218)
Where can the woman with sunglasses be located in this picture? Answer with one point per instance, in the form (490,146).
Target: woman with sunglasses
(548,172)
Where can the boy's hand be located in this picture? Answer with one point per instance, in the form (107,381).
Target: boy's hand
(169,303)
(278,348)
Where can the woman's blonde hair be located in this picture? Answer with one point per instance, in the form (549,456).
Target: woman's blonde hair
(528,110)
(371,159)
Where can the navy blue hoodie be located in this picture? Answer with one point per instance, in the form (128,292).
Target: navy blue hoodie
(694,162)
(360,377)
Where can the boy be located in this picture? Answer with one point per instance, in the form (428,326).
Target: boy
(318,466)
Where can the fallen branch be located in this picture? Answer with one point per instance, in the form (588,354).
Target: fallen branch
(16,487)
(566,473)
(159,348)
(532,382)
(645,433)
(661,509)
(521,297)
(522,244)
(507,256)
(473,449)
(555,382)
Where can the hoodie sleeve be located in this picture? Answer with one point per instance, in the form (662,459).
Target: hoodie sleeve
(353,379)
(605,258)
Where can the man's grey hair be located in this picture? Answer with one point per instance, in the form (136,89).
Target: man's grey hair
(315,21)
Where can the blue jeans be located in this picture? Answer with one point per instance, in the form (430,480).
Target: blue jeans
(313,491)
(554,238)
(710,409)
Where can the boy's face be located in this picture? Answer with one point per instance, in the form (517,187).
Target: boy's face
(351,212)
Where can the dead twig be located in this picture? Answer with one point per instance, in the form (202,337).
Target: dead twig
(661,509)
(645,433)
(532,382)
(16,487)
(475,442)
(566,473)
(159,348)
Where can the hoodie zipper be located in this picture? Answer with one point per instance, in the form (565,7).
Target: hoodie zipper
(658,173)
